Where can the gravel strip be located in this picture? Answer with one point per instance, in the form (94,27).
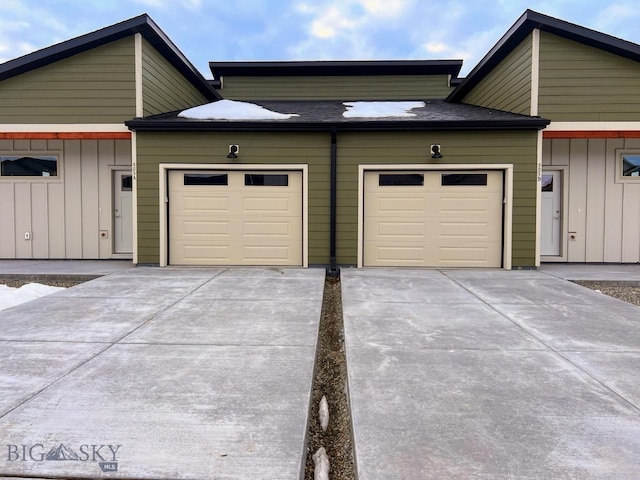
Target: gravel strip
(51,283)
(626,291)
(330,379)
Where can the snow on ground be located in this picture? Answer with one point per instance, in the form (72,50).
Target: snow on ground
(380,109)
(233,110)
(10,296)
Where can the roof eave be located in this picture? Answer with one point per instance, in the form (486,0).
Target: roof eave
(335,68)
(142,24)
(529,21)
(143,125)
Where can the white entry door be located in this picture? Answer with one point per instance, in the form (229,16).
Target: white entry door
(551,213)
(122,212)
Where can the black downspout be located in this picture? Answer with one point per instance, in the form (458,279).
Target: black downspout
(333,270)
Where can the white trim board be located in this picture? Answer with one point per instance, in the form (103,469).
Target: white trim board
(592,126)
(535,71)
(506,168)
(164,168)
(539,170)
(138,75)
(134,200)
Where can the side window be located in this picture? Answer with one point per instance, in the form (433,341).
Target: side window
(628,166)
(28,166)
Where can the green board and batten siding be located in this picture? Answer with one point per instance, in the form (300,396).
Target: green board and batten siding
(508,86)
(375,87)
(164,89)
(256,148)
(97,86)
(486,147)
(582,83)
(482,147)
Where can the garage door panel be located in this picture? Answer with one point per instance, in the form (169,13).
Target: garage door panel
(434,224)
(397,255)
(195,230)
(479,231)
(201,253)
(398,206)
(196,205)
(390,229)
(464,255)
(267,254)
(275,227)
(268,205)
(236,223)
(464,205)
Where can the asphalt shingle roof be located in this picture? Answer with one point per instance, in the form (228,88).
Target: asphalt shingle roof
(321,114)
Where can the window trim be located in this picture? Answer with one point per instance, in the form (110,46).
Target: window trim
(34,153)
(619,178)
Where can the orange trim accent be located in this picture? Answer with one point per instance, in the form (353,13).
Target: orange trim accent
(592,134)
(66,135)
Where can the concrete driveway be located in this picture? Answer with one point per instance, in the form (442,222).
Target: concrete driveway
(161,373)
(490,374)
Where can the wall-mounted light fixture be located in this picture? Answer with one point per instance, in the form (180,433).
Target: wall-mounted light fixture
(435,151)
(233,150)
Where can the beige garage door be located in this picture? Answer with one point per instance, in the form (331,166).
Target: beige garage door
(235,218)
(433,218)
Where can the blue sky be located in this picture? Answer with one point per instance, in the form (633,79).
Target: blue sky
(231,30)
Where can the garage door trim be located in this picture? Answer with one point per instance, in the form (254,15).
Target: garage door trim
(164,169)
(507,170)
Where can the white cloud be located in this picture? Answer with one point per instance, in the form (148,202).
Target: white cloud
(161,4)
(331,23)
(385,8)
(168,4)
(436,47)
(614,15)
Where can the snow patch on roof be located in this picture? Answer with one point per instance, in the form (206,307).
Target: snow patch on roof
(380,109)
(233,110)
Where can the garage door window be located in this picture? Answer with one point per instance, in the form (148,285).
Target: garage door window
(206,179)
(271,180)
(401,179)
(465,179)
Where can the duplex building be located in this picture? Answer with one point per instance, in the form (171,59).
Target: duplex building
(112,145)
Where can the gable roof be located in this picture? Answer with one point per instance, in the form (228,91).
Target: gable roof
(142,24)
(529,21)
